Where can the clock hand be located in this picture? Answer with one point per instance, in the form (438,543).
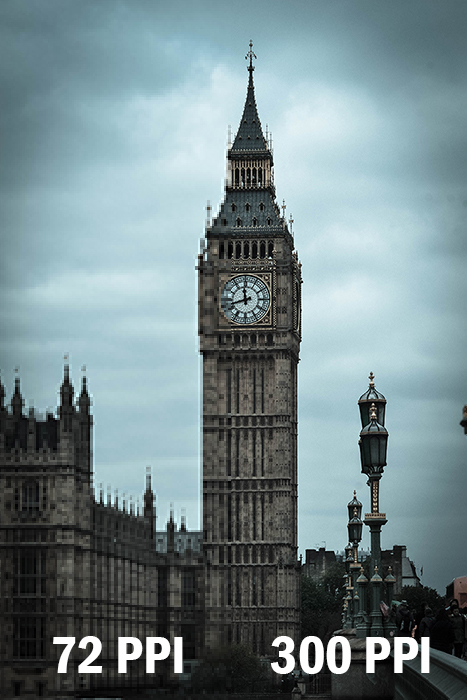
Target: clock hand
(242,301)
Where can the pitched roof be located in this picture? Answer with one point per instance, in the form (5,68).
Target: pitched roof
(246,205)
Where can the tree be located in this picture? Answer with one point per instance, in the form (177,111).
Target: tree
(416,595)
(322,603)
(229,669)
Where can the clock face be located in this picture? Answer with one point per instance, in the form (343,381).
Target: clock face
(245,299)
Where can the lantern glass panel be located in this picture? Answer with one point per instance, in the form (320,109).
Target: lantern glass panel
(355,530)
(381,413)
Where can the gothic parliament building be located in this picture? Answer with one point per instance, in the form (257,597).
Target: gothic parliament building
(74,562)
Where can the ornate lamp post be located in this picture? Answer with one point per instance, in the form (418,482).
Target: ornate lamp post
(348,623)
(354,527)
(373,448)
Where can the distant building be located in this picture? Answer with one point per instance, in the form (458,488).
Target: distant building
(403,569)
(317,562)
(74,563)
(457,589)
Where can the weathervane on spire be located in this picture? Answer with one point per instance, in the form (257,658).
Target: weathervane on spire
(251,55)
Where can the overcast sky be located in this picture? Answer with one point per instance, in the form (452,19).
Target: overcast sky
(114,119)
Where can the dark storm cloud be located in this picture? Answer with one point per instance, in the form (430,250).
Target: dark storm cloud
(113,132)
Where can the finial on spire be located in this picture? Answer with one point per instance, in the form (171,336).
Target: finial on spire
(251,55)
(66,368)
(148,478)
(371,377)
(290,222)
(373,415)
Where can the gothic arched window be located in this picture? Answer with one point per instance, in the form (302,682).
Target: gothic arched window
(237,177)
(238,251)
(246,250)
(239,221)
(230,250)
(260,176)
(261,206)
(254,250)
(243,177)
(255,222)
(262,250)
(253,176)
(247,206)
(233,207)
(270,249)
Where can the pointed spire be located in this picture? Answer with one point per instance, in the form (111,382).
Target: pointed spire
(171,531)
(84,401)
(2,396)
(250,135)
(17,401)
(66,390)
(148,496)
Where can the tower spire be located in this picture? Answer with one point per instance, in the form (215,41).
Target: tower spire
(250,135)
(250,197)
(66,390)
(84,400)
(17,401)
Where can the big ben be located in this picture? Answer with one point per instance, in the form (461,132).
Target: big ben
(250,332)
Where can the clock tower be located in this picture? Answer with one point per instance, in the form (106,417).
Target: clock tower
(250,331)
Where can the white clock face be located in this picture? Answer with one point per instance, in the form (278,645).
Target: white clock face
(245,299)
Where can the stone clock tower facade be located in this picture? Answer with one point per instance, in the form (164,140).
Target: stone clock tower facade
(250,331)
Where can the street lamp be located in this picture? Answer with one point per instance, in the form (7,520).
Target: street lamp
(369,397)
(373,445)
(348,560)
(354,527)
